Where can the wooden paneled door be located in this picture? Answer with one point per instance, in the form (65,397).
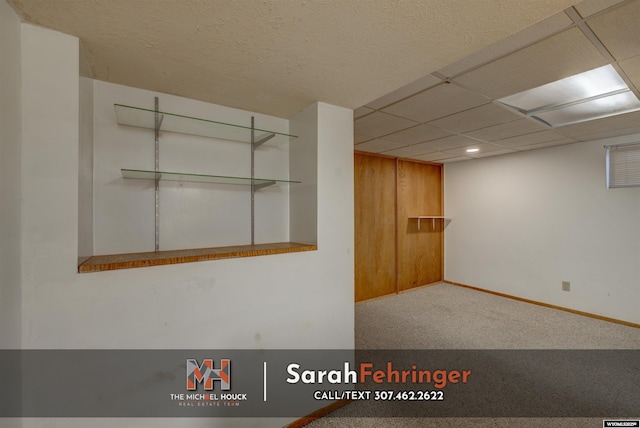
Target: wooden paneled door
(375,226)
(420,251)
(391,253)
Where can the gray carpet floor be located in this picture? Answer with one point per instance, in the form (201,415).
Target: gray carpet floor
(446,316)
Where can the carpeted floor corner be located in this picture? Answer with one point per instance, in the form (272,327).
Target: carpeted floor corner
(447,317)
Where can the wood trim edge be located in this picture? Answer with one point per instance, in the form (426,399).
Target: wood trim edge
(320,413)
(375,155)
(138,260)
(417,287)
(548,305)
(396,234)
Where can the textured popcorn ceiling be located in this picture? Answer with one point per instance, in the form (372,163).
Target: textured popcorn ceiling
(279,56)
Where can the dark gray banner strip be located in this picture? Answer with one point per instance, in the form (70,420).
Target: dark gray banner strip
(294,383)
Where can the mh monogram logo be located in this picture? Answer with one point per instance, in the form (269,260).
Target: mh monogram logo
(205,372)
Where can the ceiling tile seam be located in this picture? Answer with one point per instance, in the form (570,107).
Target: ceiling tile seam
(524,148)
(583,26)
(589,34)
(579,22)
(395,148)
(419,154)
(571,13)
(496,103)
(596,135)
(402,99)
(605,54)
(455,133)
(416,122)
(515,136)
(499,57)
(441,151)
(364,115)
(449,79)
(524,145)
(465,133)
(603,11)
(518,147)
(369,139)
(441,76)
(512,150)
(453,155)
(626,79)
(442,138)
(428,151)
(488,99)
(380,137)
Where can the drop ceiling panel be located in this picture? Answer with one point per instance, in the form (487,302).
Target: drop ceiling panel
(417,134)
(535,138)
(506,46)
(491,153)
(408,90)
(409,151)
(362,111)
(440,101)
(506,130)
(587,8)
(358,138)
(619,30)
(562,55)
(547,144)
(440,157)
(378,124)
(484,148)
(378,145)
(631,68)
(613,126)
(547,51)
(449,143)
(476,118)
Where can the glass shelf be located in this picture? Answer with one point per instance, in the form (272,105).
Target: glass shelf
(200,178)
(145,118)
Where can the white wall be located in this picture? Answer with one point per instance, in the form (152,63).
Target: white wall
(10,183)
(295,301)
(303,165)
(523,223)
(85,169)
(192,215)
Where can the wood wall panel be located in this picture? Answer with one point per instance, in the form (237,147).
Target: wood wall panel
(375,226)
(420,252)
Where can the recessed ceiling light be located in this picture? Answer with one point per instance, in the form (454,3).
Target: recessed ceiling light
(472,150)
(594,94)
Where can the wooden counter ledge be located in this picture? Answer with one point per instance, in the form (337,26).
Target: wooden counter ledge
(135,260)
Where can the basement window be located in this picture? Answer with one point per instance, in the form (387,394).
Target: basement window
(623,165)
(591,95)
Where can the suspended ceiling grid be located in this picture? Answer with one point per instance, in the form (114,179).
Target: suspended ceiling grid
(440,116)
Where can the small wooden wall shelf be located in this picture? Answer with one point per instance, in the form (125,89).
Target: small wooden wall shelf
(156,258)
(433,219)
